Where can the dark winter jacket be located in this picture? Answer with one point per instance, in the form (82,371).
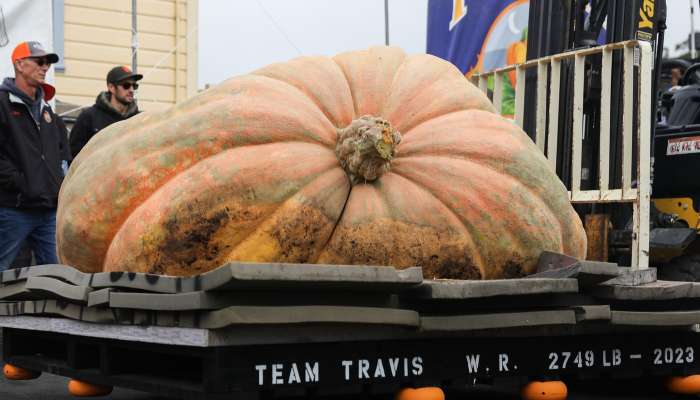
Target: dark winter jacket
(96,118)
(34,152)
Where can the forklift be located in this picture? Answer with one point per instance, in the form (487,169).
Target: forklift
(557,26)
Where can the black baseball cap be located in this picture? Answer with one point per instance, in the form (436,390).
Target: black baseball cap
(122,73)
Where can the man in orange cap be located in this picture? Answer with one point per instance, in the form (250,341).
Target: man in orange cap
(34,157)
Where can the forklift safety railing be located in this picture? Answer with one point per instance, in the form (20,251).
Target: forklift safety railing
(547,123)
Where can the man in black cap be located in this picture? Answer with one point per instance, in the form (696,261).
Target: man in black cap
(34,157)
(116,104)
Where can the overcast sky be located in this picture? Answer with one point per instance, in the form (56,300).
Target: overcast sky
(238,36)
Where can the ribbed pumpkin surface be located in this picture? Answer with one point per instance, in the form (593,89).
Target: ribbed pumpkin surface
(247,171)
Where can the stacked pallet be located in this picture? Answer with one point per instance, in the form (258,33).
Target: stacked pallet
(377,300)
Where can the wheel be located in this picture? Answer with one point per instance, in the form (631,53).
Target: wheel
(685,268)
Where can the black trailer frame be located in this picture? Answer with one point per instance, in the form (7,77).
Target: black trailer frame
(372,367)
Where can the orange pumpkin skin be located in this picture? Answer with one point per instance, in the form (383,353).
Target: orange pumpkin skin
(247,171)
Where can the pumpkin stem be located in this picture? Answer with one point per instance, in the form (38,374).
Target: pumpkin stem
(366,147)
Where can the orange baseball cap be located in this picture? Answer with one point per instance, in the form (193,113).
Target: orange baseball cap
(32,49)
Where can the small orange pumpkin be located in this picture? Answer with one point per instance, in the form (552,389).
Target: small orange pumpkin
(423,393)
(544,390)
(83,389)
(15,373)
(684,384)
(370,157)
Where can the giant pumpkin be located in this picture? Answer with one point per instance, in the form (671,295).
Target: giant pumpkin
(370,157)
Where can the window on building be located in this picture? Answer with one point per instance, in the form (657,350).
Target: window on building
(58,34)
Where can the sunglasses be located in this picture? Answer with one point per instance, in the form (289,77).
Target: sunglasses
(40,61)
(129,85)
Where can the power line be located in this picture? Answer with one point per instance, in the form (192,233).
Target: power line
(279,29)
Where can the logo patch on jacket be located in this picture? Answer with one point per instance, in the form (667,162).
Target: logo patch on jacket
(47,117)
(15,113)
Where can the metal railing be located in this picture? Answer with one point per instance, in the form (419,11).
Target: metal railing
(547,123)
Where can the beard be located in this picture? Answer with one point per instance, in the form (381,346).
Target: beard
(123,100)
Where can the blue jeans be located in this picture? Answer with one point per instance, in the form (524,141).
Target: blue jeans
(38,227)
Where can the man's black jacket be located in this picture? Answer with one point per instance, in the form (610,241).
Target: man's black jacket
(94,119)
(34,155)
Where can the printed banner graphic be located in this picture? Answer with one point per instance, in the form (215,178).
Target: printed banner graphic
(478,35)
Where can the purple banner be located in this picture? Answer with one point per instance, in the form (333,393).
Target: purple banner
(478,35)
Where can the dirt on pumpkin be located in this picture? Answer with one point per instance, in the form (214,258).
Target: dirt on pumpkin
(440,253)
(192,243)
(299,239)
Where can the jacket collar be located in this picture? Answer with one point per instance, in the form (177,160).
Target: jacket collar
(103,102)
(16,99)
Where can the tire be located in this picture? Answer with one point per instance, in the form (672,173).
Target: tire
(685,268)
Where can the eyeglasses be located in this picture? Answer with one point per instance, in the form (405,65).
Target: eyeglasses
(40,61)
(129,85)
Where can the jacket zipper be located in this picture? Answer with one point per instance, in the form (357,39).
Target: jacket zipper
(41,144)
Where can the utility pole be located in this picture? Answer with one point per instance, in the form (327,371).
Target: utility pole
(134,36)
(386,22)
(691,42)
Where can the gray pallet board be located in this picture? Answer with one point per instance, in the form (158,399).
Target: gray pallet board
(24,307)
(139,281)
(148,334)
(74,311)
(58,288)
(260,315)
(659,318)
(245,335)
(233,335)
(59,271)
(497,320)
(103,315)
(154,318)
(655,291)
(446,289)
(309,333)
(13,290)
(631,277)
(212,300)
(592,313)
(13,275)
(169,302)
(588,273)
(8,309)
(271,276)
(233,315)
(99,297)
(24,290)
(252,315)
(55,307)
(277,275)
(242,335)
